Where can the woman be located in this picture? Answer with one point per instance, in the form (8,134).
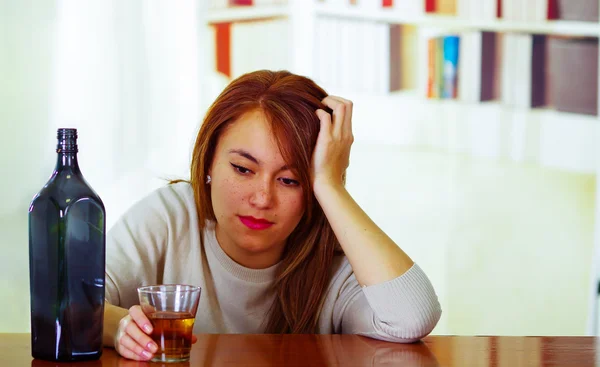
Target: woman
(266,227)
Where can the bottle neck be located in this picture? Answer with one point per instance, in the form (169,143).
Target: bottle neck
(67,151)
(67,161)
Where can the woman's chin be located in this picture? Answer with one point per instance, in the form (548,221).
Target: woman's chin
(255,247)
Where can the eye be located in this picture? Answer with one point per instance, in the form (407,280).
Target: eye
(240,169)
(289,181)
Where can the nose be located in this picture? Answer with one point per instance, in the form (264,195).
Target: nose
(262,196)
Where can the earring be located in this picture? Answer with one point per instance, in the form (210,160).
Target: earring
(208,179)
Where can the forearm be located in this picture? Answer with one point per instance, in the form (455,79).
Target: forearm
(374,257)
(112,317)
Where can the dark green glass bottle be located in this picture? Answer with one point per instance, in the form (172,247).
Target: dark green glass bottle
(67,242)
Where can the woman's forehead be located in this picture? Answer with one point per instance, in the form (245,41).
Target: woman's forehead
(252,135)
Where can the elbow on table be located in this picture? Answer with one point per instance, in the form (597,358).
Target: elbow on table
(416,328)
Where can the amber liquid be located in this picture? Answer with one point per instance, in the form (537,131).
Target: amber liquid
(172,332)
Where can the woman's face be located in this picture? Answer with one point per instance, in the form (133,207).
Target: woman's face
(257,198)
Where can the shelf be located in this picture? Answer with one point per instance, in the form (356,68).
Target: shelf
(556,27)
(490,130)
(246,13)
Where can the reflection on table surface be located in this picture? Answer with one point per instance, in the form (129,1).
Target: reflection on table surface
(344,350)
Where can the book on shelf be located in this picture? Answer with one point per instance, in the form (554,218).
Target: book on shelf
(520,86)
(573,74)
(469,67)
(242,47)
(541,10)
(430,6)
(514,10)
(439,66)
(395,57)
(373,3)
(478,9)
(450,66)
(511,10)
(443,62)
(477,67)
(525,11)
(362,56)
(404,7)
(367,4)
(523,70)
(241,2)
(539,71)
(269,2)
(445,7)
(432,86)
(222,37)
(409,8)
(223,4)
(383,56)
(577,10)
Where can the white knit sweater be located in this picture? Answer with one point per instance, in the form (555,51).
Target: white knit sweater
(157,241)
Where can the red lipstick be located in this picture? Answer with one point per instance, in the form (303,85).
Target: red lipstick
(255,223)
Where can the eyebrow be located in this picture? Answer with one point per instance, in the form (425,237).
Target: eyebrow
(250,157)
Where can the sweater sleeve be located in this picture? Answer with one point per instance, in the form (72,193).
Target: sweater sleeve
(134,247)
(403,310)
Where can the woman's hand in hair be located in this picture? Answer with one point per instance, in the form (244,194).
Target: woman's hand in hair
(375,257)
(332,151)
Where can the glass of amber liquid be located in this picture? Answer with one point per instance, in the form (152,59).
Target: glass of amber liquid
(171,308)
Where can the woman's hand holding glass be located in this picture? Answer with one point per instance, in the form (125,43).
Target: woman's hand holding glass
(132,340)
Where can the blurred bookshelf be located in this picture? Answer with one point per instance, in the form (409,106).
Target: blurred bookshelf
(239,13)
(526,106)
(382,55)
(389,15)
(510,80)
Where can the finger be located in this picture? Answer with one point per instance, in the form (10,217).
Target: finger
(342,114)
(325,119)
(333,103)
(347,124)
(140,318)
(194,339)
(135,333)
(126,343)
(126,353)
(348,119)
(347,102)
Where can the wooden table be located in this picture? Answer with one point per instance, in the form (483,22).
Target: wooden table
(345,350)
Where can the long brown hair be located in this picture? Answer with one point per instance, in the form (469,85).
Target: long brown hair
(289,103)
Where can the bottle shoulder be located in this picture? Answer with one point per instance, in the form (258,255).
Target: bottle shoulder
(65,189)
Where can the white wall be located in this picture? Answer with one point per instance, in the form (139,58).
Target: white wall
(27,158)
(506,245)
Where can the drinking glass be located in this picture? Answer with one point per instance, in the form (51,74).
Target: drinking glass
(171,308)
